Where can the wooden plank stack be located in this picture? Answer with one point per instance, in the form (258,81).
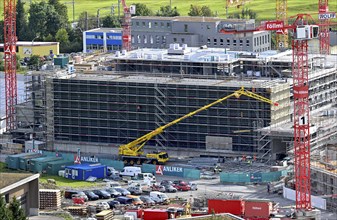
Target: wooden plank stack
(50,199)
(77,210)
(105,215)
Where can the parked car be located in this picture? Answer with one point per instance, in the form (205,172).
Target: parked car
(183,186)
(193,186)
(112,171)
(123,191)
(166,182)
(112,177)
(113,204)
(77,199)
(170,188)
(135,200)
(159,197)
(113,192)
(91,196)
(102,194)
(135,190)
(68,193)
(147,200)
(113,184)
(176,182)
(102,206)
(159,188)
(124,200)
(82,195)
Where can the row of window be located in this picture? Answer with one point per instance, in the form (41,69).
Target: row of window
(110,37)
(101,47)
(149,24)
(261,40)
(144,39)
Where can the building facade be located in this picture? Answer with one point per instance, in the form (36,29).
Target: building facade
(159,32)
(102,40)
(29,48)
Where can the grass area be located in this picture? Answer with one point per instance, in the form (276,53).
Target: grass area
(3,168)
(64,182)
(264,8)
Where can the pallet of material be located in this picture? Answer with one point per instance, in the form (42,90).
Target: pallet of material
(105,215)
(77,210)
(50,199)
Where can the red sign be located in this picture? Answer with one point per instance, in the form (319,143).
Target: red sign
(159,169)
(77,159)
(274,25)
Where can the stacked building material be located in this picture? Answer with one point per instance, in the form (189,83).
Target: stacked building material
(77,210)
(50,199)
(105,215)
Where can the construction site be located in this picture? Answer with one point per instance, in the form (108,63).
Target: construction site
(148,106)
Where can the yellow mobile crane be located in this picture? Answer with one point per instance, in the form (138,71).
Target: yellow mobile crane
(132,153)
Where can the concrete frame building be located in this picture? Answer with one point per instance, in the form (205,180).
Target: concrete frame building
(25,187)
(102,40)
(160,32)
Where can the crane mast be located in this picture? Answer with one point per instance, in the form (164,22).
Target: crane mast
(126,35)
(10,62)
(324,37)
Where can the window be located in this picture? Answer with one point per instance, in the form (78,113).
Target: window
(150,24)
(241,42)
(174,40)
(221,42)
(234,42)
(157,39)
(182,40)
(247,43)
(228,42)
(168,25)
(138,39)
(143,23)
(155,24)
(208,41)
(145,39)
(151,39)
(254,42)
(208,27)
(215,42)
(163,39)
(262,39)
(161,24)
(185,27)
(132,39)
(137,23)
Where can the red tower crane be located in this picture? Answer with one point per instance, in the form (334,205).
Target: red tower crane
(324,19)
(126,35)
(10,62)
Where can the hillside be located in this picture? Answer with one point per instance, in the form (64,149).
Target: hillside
(264,8)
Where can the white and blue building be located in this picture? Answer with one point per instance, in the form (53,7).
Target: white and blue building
(102,39)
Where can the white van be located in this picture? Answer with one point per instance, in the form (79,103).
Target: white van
(159,197)
(130,171)
(146,177)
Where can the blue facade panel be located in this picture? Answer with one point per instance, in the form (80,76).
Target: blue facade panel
(84,171)
(114,42)
(95,41)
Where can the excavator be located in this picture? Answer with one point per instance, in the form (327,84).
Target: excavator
(132,153)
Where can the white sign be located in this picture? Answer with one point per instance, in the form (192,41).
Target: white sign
(89,159)
(303,120)
(325,16)
(173,169)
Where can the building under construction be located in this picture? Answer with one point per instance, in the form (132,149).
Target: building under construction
(98,110)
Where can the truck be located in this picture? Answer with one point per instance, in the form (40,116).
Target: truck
(132,153)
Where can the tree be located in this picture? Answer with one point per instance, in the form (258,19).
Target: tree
(21,21)
(61,9)
(62,36)
(206,11)
(195,10)
(142,10)
(17,212)
(167,11)
(4,212)
(86,21)
(111,22)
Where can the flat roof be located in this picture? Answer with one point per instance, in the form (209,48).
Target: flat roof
(9,181)
(106,30)
(85,166)
(30,43)
(190,19)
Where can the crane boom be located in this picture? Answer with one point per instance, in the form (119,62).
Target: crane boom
(126,35)
(135,147)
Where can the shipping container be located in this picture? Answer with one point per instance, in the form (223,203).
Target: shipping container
(155,214)
(39,165)
(257,208)
(25,160)
(84,171)
(13,161)
(235,207)
(54,166)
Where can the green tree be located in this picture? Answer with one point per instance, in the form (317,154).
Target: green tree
(86,21)
(21,21)
(167,11)
(62,36)
(195,10)
(62,10)
(142,10)
(16,211)
(206,11)
(4,212)
(111,22)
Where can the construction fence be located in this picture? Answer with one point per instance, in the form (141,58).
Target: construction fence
(171,171)
(257,177)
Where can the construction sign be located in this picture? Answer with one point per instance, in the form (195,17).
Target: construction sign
(159,169)
(169,170)
(77,159)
